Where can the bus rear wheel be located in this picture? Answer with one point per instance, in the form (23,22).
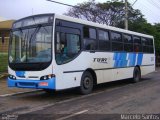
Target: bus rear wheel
(86,85)
(136,75)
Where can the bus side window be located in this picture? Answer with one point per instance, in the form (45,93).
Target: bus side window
(89,44)
(137,44)
(128,43)
(89,38)
(147,45)
(117,43)
(104,41)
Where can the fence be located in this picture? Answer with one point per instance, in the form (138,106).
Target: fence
(3,54)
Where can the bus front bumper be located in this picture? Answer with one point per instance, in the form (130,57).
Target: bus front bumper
(36,84)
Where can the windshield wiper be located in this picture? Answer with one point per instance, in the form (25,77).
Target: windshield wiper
(35,32)
(32,37)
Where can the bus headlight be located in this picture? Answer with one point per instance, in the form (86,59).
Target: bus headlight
(46,77)
(12,77)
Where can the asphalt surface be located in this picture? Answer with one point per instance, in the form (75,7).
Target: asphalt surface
(5,90)
(108,101)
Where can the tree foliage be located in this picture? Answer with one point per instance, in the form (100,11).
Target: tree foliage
(147,28)
(157,37)
(113,13)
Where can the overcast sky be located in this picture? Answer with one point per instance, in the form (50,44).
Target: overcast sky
(16,9)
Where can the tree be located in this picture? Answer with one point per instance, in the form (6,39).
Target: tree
(157,26)
(157,37)
(111,13)
(147,28)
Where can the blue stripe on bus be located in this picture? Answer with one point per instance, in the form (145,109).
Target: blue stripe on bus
(139,59)
(32,83)
(20,73)
(132,59)
(121,59)
(124,60)
(116,59)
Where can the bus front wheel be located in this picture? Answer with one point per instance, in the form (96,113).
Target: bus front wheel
(86,84)
(136,75)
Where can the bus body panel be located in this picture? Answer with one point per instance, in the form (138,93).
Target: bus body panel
(69,74)
(32,75)
(31,79)
(108,66)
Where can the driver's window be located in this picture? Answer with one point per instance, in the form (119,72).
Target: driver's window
(67,47)
(73,44)
(61,43)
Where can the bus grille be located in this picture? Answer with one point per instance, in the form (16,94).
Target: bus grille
(26,84)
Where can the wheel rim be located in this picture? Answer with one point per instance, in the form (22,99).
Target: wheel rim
(87,82)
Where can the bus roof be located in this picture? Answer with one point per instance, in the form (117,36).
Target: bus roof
(93,24)
(103,26)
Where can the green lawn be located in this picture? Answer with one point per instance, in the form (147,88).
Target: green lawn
(3,62)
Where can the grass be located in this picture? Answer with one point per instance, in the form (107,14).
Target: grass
(3,62)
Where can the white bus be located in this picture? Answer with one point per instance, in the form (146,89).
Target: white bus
(54,52)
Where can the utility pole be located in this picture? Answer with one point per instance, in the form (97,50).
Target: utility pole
(126,15)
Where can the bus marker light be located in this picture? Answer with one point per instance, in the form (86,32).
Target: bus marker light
(43,84)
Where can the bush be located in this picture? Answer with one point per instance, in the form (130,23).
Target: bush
(3,62)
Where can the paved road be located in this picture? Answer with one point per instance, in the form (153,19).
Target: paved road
(108,101)
(5,90)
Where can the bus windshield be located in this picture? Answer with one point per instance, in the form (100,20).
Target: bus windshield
(31,45)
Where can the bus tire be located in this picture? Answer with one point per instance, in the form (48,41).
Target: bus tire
(136,75)
(86,85)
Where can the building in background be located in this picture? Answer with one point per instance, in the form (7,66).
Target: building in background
(5,27)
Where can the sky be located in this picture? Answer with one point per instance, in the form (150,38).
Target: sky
(16,9)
